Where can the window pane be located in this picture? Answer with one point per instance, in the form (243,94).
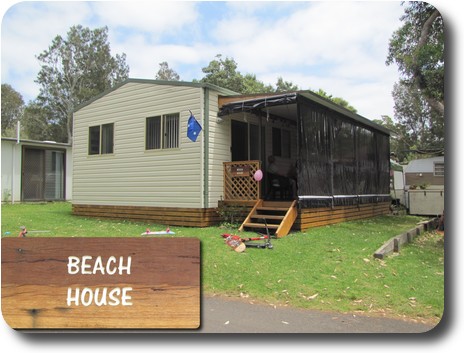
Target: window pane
(107,138)
(153,130)
(94,140)
(171,131)
(54,175)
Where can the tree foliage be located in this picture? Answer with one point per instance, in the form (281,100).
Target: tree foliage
(12,108)
(337,100)
(39,123)
(74,70)
(166,73)
(417,48)
(224,73)
(285,86)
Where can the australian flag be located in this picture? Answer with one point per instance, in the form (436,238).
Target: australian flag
(193,128)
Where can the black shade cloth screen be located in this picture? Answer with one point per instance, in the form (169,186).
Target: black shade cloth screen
(340,161)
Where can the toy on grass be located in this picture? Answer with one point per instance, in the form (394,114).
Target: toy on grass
(161,232)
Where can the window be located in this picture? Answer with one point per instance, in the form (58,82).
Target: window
(281,143)
(101,139)
(439,169)
(162,132)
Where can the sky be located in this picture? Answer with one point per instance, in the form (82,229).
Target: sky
(340,47)
(337,46)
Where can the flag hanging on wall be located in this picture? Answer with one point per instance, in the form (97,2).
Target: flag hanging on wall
(193,128)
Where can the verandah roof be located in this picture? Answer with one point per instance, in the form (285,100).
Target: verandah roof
(285,106)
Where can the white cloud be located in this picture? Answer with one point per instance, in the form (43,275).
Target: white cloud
(337,46)
(154,18)
(29,30)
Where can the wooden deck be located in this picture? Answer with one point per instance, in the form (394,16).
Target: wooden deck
(189,217)
(205,217)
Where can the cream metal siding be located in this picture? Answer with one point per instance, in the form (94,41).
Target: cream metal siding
(132,175)
(219,151)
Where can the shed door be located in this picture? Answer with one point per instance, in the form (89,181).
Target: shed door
(42,175)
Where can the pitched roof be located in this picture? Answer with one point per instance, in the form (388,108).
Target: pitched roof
(424,165)
(221,90)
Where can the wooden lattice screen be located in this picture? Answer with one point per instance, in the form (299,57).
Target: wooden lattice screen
(239,184)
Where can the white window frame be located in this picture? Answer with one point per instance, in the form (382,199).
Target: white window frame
(439,169)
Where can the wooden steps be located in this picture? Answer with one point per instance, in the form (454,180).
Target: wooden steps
(278,215)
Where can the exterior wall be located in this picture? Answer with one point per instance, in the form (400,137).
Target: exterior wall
(421,172)
(218,151)
(397,189)
(11,171)
(424,178)
(132,175)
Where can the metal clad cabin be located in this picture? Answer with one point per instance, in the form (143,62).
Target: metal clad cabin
(35,170)
(425,186)
(133,159)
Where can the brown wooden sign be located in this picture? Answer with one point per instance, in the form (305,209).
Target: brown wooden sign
(101,283)
(238,171)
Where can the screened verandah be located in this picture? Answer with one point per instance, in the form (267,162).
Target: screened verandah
(341,158)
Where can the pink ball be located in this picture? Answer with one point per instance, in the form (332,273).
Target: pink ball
(258,175)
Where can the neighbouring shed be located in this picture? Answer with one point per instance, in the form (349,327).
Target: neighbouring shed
(425,186)
(36,170)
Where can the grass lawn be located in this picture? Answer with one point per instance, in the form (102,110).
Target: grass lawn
(330,268)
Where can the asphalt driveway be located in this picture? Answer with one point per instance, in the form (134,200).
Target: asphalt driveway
(224,315)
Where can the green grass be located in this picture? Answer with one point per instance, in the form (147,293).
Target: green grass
(328,268)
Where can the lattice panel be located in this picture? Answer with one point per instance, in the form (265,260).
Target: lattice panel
(239,184)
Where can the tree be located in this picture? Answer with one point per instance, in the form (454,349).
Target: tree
(418,50)
(76,69)
(223,73)
(423,126)
(400,143)
(12,108)
(251,85)
(285,86)
(337,100)
(39,123)
(166,73)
